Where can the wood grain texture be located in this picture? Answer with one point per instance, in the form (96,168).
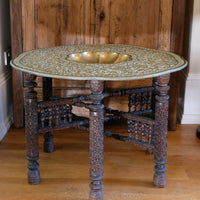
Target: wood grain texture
(65,171)
(136,26)
(60,22)
(165,22)
(28,25)
(65,25)
(17,48)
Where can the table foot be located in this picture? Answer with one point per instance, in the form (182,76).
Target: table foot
(33,173)
(96,191)
(48,142)
(159,179)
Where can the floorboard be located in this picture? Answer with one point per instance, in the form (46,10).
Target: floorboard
(128,170)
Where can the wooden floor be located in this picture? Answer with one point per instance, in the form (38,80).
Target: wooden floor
(128,170)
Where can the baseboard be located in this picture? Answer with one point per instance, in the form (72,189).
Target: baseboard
(193,76)
(190,115)
(5,101)
(191,110)
(5,125)
(190,119)
(5,75)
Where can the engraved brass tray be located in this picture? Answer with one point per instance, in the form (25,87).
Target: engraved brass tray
(98,62)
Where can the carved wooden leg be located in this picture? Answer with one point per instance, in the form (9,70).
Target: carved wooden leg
(31,126)
(47,93)
(96,140)
(160,134)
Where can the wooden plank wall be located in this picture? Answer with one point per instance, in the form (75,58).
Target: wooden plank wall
(79,22)
(176,46)
(17,48)
(47,23)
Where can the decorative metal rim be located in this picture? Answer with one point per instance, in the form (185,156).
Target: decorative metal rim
(145,63)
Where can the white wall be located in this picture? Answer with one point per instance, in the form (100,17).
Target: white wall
(191,111)
(5,72)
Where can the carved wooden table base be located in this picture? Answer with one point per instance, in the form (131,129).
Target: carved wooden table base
(146,124)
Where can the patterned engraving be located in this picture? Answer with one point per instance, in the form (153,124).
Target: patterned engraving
(144,63)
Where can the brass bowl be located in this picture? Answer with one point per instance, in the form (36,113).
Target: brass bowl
(98,57)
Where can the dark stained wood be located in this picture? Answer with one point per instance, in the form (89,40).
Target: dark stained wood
(148,131)
(96,140)
(31,129)
(176,46)
(17,48)
(160,131)
(186,54)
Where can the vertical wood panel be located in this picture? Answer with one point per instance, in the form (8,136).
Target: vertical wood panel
(176,46)
(90,21)
(28,24)
(17,76)
(62,22)
(131,22)
(134,22)
(103,19)
(165,22)
(189,6)
(177,30)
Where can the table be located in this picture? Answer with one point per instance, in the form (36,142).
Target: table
(148,106)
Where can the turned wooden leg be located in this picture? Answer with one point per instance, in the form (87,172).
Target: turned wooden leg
(31,129)
(48,143)
(96,140)
(47,88)
(47,93)
(160,134)
(198,131)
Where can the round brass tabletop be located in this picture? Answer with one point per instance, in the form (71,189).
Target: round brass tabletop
(98,62)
